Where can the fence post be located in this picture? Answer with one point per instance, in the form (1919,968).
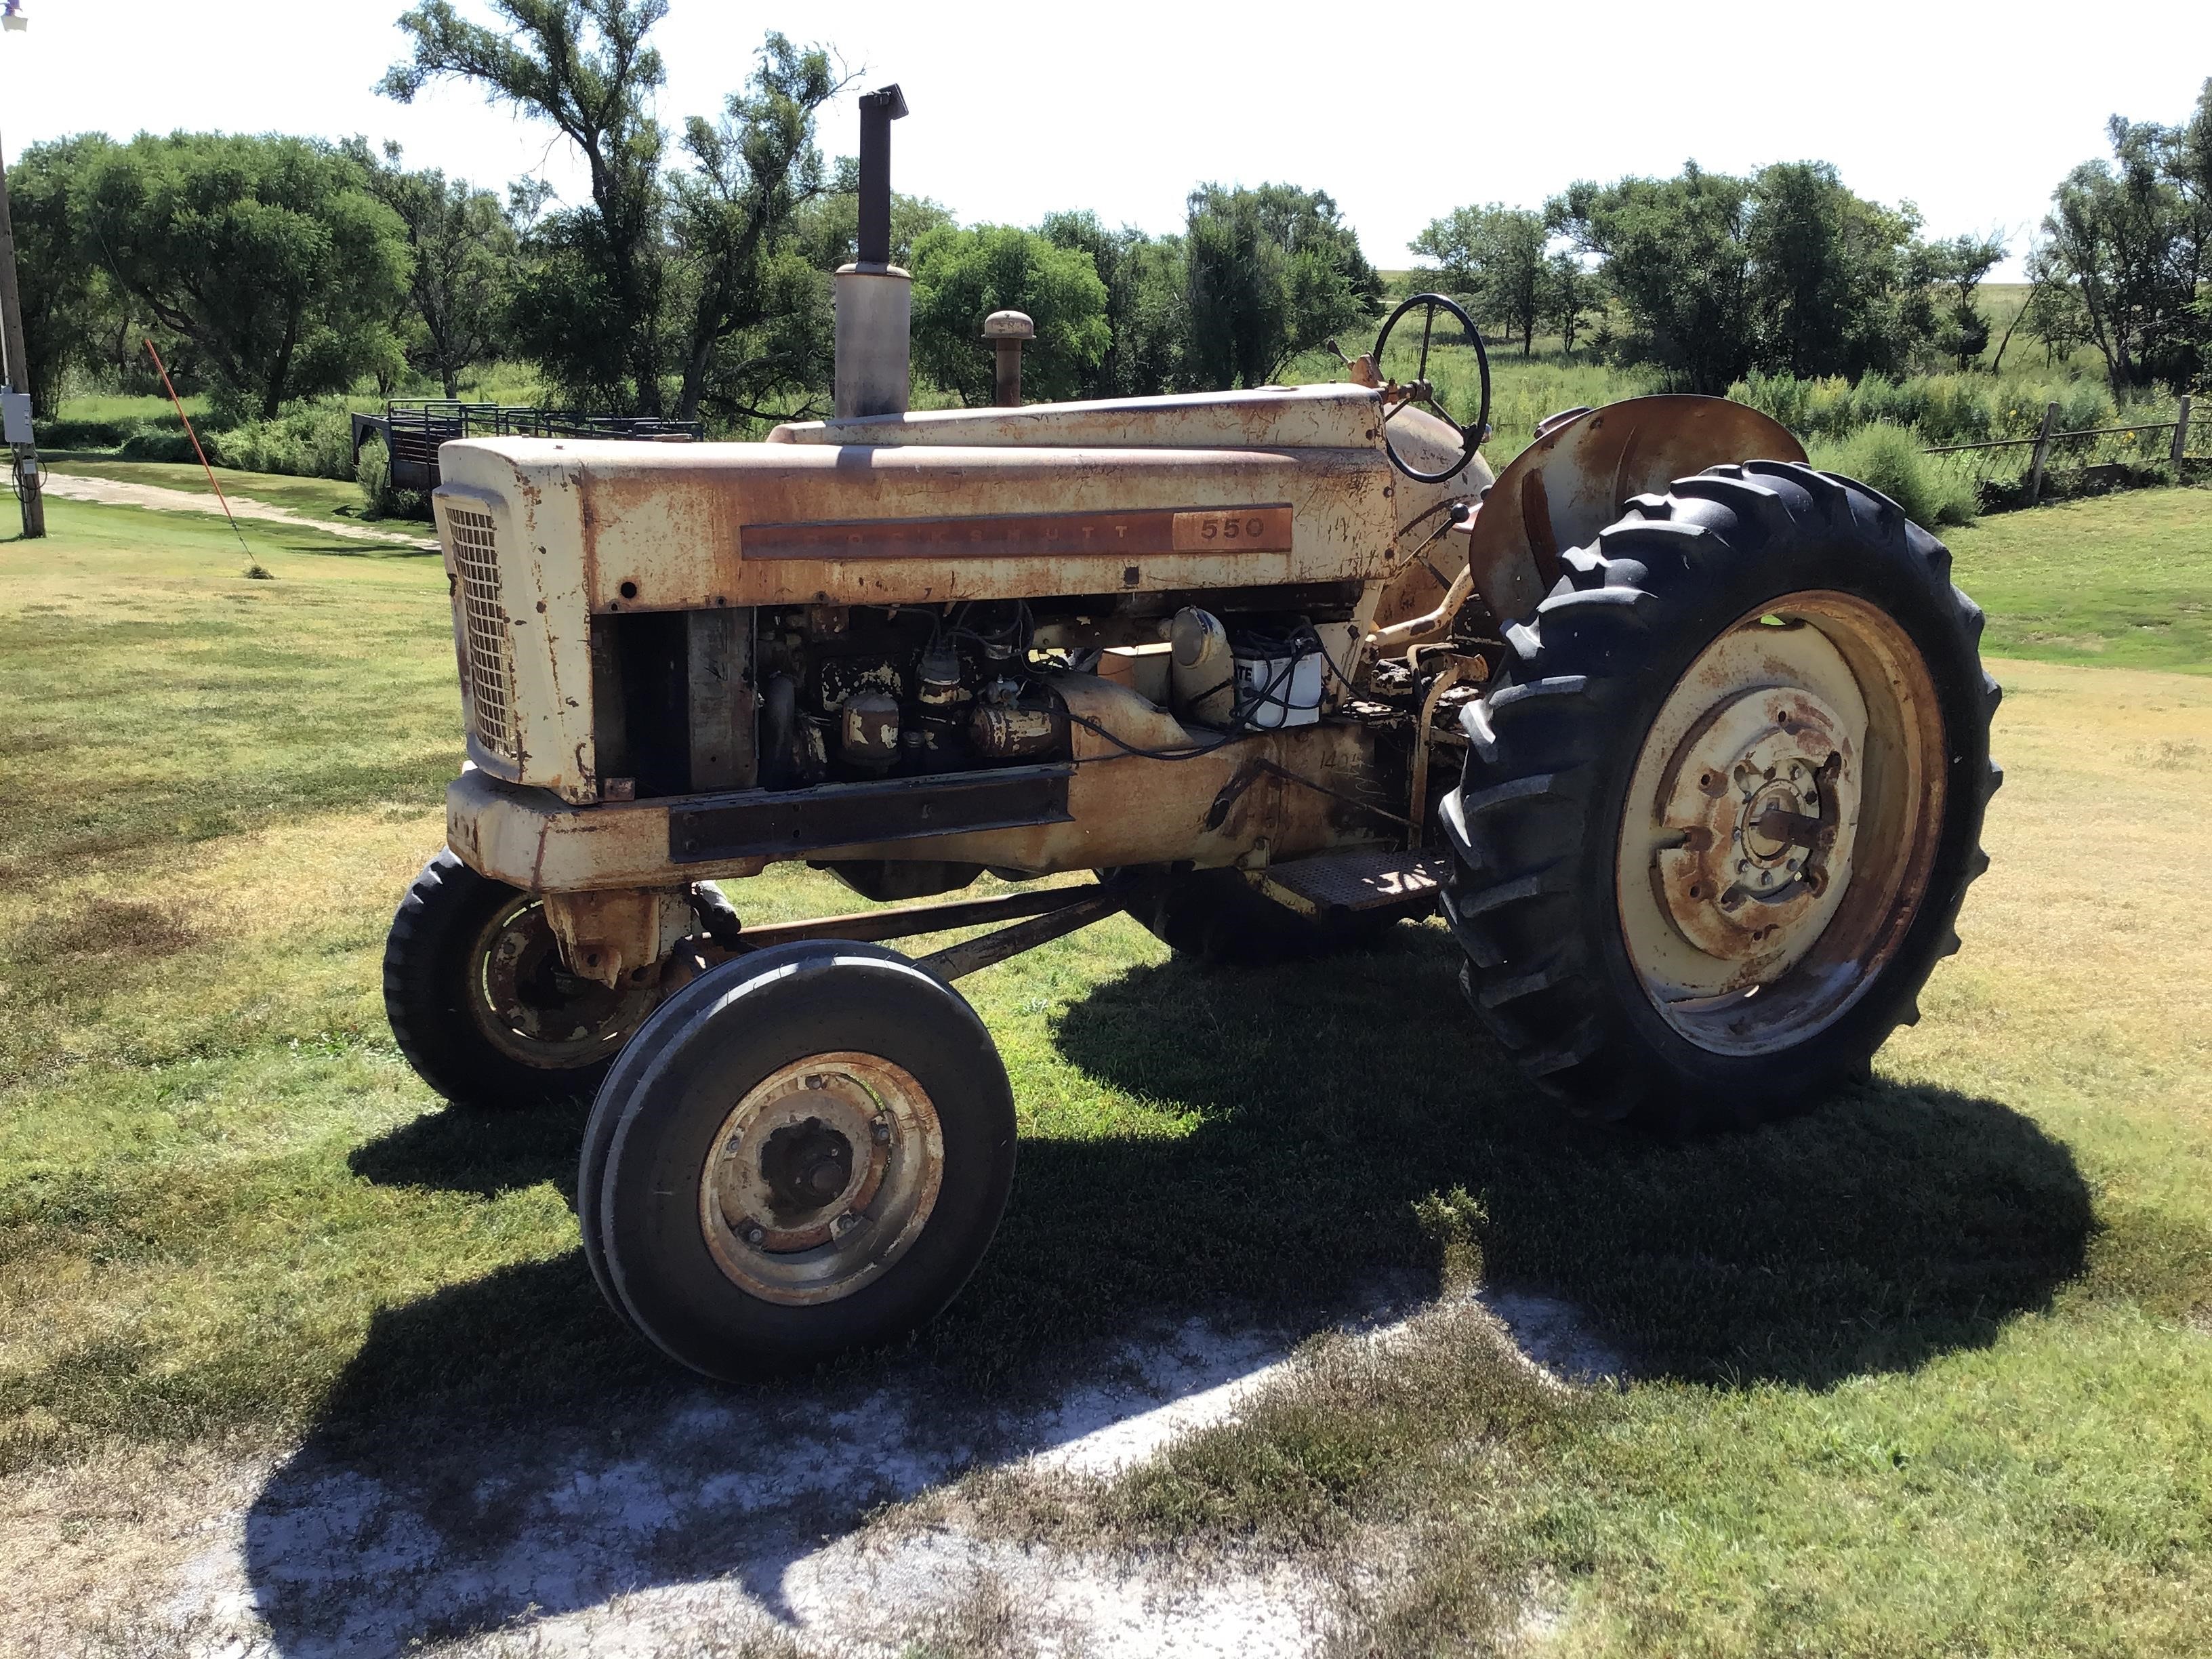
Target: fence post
(2180,439)
(2041,454)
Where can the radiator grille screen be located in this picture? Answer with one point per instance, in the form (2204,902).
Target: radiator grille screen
(490,646)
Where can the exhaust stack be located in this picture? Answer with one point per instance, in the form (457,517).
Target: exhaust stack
(875,298)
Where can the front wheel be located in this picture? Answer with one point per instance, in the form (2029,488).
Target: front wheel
(805,1151)
(481,1003)
(1719,815)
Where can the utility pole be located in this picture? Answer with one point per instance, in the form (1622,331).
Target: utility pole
(17,378)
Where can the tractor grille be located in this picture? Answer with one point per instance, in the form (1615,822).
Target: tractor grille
(490,646)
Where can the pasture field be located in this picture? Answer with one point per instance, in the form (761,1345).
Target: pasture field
(1926,1370)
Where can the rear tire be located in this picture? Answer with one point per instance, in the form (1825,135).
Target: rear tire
(1665,717)
(803,1151)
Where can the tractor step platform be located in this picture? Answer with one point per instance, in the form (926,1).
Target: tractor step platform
(1358,884)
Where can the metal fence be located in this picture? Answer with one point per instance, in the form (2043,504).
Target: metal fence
(411,429)
(2108,455)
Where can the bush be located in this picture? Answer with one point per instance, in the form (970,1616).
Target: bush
(1940,408)
(85,434)
(154,443)
(1886,457)
(313,440)
(379,499)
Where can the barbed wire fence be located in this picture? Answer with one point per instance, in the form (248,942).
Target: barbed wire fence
(2021,471)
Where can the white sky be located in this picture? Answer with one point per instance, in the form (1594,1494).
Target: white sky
(1401,111)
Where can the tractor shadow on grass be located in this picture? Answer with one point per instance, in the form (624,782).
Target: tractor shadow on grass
(506,1448)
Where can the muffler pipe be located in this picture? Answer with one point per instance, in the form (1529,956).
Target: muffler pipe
(875,298)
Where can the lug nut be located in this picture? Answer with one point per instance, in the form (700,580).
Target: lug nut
(844,1224)
(755,1235)
(882,1129)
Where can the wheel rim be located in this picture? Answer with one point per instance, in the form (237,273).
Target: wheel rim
(532,1008)
(820,1177)
(1781,823)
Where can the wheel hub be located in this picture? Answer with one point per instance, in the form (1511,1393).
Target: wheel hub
(532,1008)
(823,1175)
(1765,798)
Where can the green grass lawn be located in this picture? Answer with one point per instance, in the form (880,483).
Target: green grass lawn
(2148,607)
(1928,1370)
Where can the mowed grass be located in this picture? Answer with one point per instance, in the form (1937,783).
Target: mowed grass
(2149,604)
(314,498)
(1928,1369)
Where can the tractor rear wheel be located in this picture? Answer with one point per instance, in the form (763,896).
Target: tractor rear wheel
(1719,813)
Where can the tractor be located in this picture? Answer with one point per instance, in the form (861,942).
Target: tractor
(1686,742)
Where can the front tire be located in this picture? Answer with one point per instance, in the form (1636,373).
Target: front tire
(1719,814)
(805,1151)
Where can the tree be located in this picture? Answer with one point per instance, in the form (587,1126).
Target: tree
(1675,253)
(829,226)
(1570,291)
(583,65)
(1785,271)
(962,277)
(1828,275)
(269,255)
(58,280)
(1145,319)
(1268,273)
(699,281)
(466,255)
(2131,239)
(2052,310)
(1494,257)
(1956,268)
(758,321)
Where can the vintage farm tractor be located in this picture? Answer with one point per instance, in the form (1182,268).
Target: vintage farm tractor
(1688,742)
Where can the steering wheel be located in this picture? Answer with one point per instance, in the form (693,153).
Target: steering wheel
(1418,390)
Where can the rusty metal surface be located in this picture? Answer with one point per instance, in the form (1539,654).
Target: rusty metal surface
(1459,671)
(1571,483)
(1298,417)
(1258,527)
(1781,822)
(665,529)
(613,935)
(580,528)
(1430,562)
(789,824)
(904,921)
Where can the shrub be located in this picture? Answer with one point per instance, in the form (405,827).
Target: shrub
(379,499)
(313,440)
(154,443)
(1940,408)
(1886,457)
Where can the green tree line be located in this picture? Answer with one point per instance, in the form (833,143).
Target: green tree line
(694,280)
(1711,277)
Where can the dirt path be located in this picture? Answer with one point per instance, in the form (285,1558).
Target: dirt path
(114,492)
